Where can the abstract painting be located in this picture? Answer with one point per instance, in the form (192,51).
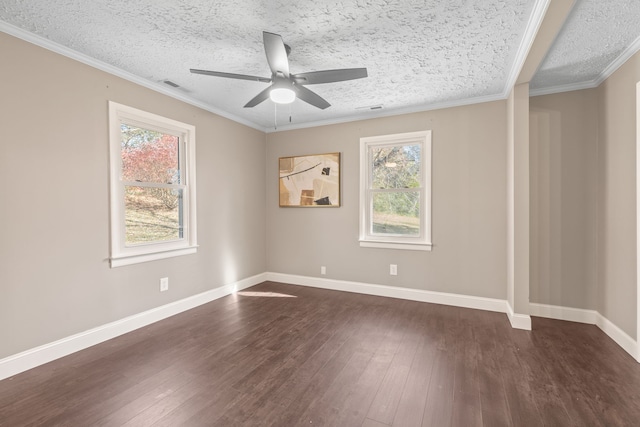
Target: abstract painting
(310,181)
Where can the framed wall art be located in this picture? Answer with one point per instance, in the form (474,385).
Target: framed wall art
(310,180)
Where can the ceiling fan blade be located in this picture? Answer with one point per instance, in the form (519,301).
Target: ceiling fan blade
(329,76)
(276,53)
(310,97)
(231,75)
(262,96)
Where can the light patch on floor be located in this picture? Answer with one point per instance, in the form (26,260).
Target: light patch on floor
(265,294)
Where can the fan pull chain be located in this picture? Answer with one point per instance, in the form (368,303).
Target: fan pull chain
(275,116)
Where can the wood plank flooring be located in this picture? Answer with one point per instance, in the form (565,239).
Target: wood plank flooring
(283,355)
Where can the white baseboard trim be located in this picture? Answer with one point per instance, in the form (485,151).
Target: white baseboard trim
(518,321)
(457,300)
(28,359)
(564,313)
(591,317)
(621,338)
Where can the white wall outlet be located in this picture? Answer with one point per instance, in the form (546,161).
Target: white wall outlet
(323,270)
(164,284)
(393,269)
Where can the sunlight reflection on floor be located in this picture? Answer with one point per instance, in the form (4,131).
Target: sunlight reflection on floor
(265,294)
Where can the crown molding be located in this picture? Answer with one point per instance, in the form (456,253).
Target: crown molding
(564,88)
(118,72)
(388,113)
(619,61)
(590,84)
(531,30)
(532,27)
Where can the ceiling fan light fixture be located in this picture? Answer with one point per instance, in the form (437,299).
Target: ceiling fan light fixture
(282,95)
(286,87)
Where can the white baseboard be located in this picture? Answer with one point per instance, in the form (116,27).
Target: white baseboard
(564,313)
(457,300)
(26,360)
(591,317)
(621,338)
(518,321)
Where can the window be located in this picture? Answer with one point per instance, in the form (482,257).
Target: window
(153,203)
(395,191)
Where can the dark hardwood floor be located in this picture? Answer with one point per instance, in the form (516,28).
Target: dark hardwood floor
(282,355)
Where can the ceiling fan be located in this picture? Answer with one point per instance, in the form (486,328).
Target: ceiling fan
(285,87)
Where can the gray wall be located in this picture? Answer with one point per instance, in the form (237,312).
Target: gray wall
(564,182)
(518,199)
(617,196)
(468,206)
(55,278)
(583,159)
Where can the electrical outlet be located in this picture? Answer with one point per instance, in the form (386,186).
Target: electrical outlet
(164,284)
(393,269)
(323,270)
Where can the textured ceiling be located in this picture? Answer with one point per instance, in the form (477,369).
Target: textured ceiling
(594,36)
(420,54)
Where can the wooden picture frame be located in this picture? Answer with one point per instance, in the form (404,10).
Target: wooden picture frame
(310,180)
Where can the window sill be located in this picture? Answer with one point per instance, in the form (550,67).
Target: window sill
(122,260)
(396,245)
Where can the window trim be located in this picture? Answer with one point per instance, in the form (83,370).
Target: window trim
(120,254)
(366,238)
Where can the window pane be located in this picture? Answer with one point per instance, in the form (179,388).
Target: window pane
(149,156)
(152,214)
(396,213)
(396,166)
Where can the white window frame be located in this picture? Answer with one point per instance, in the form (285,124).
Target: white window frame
(422,242)
(125,255)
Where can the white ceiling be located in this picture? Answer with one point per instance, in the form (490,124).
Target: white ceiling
(420,54)
(597,37)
